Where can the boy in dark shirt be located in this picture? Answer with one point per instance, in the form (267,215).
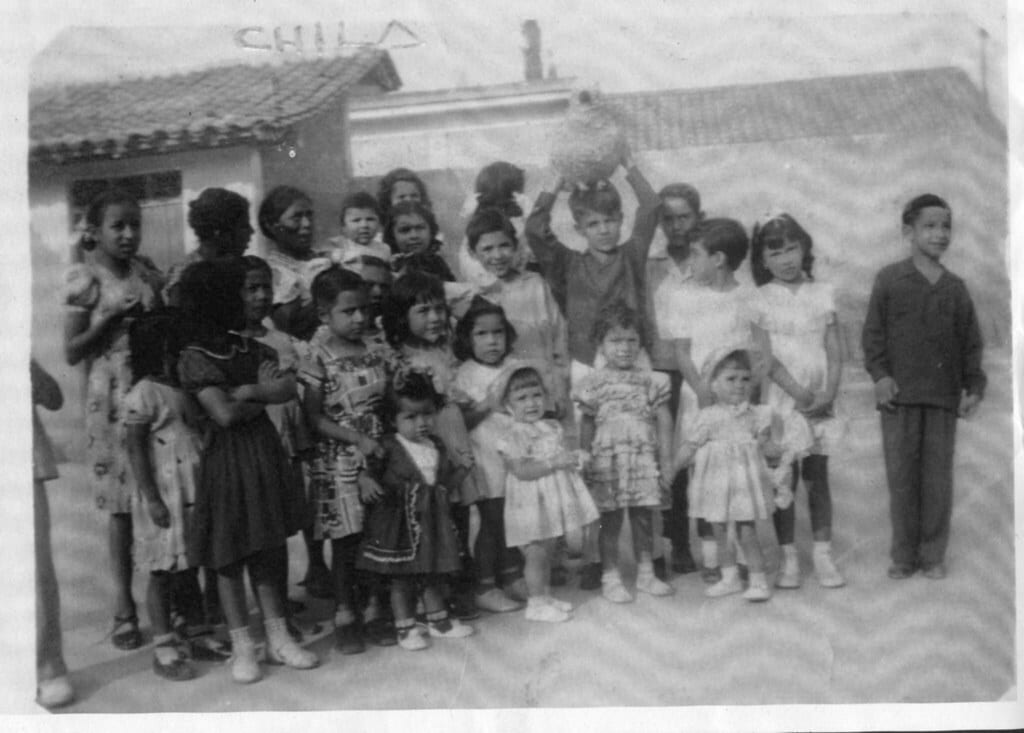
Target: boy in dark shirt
(922,348)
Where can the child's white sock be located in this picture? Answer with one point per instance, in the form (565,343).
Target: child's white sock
(343,617)
(709,553)
(730,573)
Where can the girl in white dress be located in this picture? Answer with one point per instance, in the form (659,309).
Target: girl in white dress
(730,444)
(798,317)
(483,340)
(545,498)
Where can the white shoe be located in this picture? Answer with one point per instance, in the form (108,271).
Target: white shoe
(724,587)
(412,639)
(826,571)
(54,693)
(293,655)
(789,574)
(496,601)
(449,628)
(563,606)
(245,669)
(545,612)
(757,591)
(652,585)
(613,590)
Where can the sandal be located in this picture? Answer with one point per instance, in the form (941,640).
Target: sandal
(176,669)
(126,635)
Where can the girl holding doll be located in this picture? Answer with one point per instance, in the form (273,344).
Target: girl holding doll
(345,385)
(409,534)
(483,340)
(244,510)
(545,498)
(626,428)
(104,294)
(730,443)
(798,317)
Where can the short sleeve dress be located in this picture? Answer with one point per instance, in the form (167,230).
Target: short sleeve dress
(410,531)
(475,379)
(796,322)
(174,445)
(624,467)
(730,480)
(353,389)
(244,499)
(547,507)
(95,290)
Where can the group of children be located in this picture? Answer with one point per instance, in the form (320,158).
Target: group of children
(355,392)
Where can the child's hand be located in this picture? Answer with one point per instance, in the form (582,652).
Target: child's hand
(268,372)
(460,397)
(772,452)
(821,406)
(583,459)
(159,513)
(968,405)
(665,481)
(241,393)
(369,490)
(370,447)
(885,391)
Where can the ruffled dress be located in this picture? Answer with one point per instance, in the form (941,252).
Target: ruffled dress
(796,322)
(96,290)
(353,389)
(624,453)
(174,444)
(547,507)
(244,499)
(731,480)
(409,531)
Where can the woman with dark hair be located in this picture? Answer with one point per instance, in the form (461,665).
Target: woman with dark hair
(286,219)
(220,220)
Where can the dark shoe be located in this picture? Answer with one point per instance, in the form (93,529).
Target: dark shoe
(209,649)
(935,572)
(176,669)
(125,634)
(590,577)
(319,584)
(462,607)
(901,571)
(348,640)
(559,576)
(683,562)
(293,607)
(711,575)
(659,569)
(381,632)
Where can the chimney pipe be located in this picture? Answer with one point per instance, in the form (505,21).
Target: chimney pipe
(534,68)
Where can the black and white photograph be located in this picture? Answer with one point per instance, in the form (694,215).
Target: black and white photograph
(513,365)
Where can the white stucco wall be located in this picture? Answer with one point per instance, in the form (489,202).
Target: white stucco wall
(234,168)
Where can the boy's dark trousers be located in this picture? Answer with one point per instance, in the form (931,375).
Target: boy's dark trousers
(918,442)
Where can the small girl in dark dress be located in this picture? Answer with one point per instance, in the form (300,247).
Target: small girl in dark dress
(408,529)
(244,510)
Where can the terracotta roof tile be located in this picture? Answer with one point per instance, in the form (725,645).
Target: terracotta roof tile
(865,104)
(219,106)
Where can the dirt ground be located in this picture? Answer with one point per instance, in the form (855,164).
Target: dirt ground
(874,641)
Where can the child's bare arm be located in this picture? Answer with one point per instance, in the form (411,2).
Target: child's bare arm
(531,469)
(313,402)
(685,456)
(224,410)
(691,375)
(664,426)
(274,387)
(137,443)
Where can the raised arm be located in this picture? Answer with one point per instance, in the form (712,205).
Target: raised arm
(550,253)
(645,223)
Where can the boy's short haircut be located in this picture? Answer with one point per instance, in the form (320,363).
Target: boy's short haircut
(359,200)
(332,282)
(683,191)
(487,221)
(600,198)
(256,264)
(726,236)
(924,201)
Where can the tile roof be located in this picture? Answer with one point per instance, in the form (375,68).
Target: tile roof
(865,104)
(215,107)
